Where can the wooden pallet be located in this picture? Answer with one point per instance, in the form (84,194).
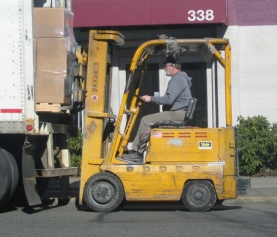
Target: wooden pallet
(45,107)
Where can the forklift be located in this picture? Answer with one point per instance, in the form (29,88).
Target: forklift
(198,166)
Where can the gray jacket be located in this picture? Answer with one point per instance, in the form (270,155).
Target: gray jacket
(177,94)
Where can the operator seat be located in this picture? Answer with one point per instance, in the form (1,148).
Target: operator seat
(178,124)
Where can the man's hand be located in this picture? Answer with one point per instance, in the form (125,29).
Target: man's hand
(146,98)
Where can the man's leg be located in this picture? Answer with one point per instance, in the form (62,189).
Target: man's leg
(147,120)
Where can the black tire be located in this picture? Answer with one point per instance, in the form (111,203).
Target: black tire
(14,172)
(5,177)
(103,192)
(63,202)
(199,195)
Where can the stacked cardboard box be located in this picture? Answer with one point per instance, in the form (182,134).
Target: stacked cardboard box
(55,54)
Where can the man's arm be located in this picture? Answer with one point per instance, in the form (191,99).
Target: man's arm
(174,90)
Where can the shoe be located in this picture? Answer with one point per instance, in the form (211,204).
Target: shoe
(133,155)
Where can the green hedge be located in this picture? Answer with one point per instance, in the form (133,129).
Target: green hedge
(75,148)
(257,142)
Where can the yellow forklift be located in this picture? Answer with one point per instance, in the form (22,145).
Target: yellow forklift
(196,165)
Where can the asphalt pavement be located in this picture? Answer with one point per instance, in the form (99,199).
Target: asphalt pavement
(263,190)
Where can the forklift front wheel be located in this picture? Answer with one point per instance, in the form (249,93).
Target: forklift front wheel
(103,192)
(199,195)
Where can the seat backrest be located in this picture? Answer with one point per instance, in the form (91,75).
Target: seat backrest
(190,110)
(178,123)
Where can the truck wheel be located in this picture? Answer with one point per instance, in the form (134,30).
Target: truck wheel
(5,177)
(63,202)
(14,171)
(199,195)
(103,192)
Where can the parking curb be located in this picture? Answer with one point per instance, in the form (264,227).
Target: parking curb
(251,200)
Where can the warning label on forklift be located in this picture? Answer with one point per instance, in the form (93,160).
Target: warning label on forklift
(94,97)
(205,145)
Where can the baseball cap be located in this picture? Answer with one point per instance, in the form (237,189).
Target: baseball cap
(171,59)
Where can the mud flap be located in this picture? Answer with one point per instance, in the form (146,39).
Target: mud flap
(243,183)
(64,187)
(29,174)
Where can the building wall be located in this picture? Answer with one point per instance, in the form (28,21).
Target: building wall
(252,12)
(109,13)
(252,32)
(254,70)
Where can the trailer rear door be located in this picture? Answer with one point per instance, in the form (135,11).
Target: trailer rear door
(17,102)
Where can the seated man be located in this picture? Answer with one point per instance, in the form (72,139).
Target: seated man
(175,102)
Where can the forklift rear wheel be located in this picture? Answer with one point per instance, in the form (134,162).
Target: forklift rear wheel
(103,192)
(199,195)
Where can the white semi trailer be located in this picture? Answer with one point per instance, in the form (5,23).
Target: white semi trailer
(37,103)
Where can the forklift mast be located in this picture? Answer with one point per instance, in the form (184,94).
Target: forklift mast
(97,113)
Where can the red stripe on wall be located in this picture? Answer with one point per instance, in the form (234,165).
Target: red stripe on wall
(95,13)
(252,12)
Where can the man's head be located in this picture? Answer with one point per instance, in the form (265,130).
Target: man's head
(171,65)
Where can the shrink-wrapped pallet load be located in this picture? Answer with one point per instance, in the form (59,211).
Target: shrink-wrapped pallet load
(55,55)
